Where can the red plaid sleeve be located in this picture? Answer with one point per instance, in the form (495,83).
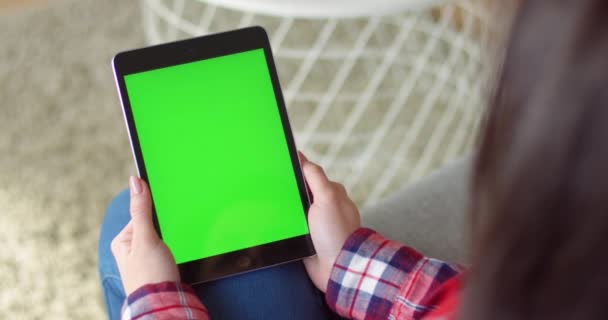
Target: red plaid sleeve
(164,301)
(375,278)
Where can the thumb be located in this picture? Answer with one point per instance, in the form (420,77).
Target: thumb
(141,210)
(315,177)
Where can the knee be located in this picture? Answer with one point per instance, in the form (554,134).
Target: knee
(119,205)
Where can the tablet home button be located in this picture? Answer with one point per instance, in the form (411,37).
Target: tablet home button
(243,262)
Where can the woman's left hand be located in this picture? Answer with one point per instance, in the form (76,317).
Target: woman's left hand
(142,257)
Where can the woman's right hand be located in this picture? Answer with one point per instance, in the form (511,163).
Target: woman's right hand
(332,218)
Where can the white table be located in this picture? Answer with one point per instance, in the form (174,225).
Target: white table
(379,92)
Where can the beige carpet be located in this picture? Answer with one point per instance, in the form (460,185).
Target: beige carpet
(63,152)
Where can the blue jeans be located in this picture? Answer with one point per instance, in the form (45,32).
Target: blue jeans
(281,292)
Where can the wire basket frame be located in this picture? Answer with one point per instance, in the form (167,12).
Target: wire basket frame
(378,101)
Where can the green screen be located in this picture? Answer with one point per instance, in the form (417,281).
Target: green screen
(216,155)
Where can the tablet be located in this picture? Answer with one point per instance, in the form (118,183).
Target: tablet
(210,135)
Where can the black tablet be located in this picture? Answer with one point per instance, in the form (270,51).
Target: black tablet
(210,135)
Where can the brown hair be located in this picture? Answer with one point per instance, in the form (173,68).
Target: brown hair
(540,186)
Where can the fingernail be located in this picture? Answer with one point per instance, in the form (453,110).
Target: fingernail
(135,185)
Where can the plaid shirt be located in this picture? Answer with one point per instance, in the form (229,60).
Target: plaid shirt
(372,278)
(375,278)
(164,301)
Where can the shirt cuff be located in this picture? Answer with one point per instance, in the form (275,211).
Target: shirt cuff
(368,275)
(164,300)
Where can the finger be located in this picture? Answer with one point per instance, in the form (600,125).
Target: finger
(301,156)
(315,177)
(121,243)
(340,187)
(302,159)
(310,262)
(312,266)
(141,209)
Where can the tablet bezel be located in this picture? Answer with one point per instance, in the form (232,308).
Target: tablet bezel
(196,49)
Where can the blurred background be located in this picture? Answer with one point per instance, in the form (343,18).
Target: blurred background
(380,92)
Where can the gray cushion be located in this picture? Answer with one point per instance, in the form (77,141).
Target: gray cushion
(428,215)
